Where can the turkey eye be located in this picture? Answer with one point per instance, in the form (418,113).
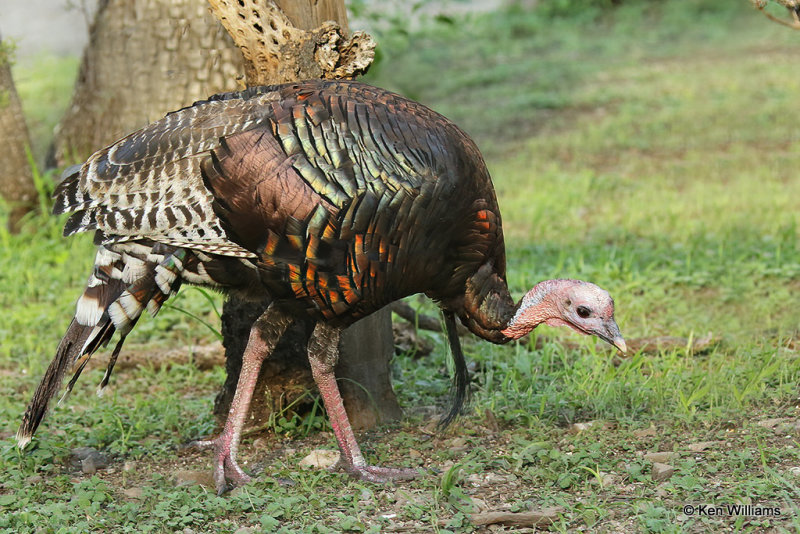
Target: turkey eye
(583,312)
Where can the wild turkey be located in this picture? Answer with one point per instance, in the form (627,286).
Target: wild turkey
(335,198)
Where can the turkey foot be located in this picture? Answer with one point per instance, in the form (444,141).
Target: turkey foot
(323,353)
(226,472)
(264,335)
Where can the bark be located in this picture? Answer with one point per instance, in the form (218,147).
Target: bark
(16,177)
(144,59)
(281,43)
(792,6)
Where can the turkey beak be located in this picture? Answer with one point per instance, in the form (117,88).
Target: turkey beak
(610,334)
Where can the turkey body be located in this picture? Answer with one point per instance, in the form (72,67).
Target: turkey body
(336,198)
(333,197)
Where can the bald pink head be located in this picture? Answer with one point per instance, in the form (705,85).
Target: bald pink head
(583,306)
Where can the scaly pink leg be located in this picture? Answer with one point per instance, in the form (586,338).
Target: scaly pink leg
(264,335)
(323,353)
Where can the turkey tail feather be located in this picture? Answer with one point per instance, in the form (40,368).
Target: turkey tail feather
(69,350)
(460,388)
(112,302)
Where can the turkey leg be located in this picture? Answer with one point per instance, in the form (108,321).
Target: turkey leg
(264,335)
(323,353)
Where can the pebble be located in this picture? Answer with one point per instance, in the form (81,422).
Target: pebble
(80,453)
(660,457)
(90,459)
(662,472)
(320,459)
(189,477)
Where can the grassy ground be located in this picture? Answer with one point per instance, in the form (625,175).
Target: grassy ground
(651,152)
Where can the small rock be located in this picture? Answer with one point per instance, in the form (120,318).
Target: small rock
(662,472)
(133,493)
(321,459)
(81,453)
(88,459)
(645,432)
(244,530)
(93,462)
(700,446)
(88,466)
(189,477)
(660,457)
(794,471)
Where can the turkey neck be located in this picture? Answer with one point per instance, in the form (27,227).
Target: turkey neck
(486,306)
(489,311)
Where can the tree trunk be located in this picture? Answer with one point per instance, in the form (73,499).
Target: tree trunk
(144,59)
(16,182)
(284,43)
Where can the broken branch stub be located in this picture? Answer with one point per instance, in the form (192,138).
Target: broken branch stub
(275,51)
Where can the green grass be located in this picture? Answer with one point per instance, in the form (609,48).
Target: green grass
(651,152)
(44,84)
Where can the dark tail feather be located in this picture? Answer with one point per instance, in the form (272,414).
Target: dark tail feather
(68,351)
(111,362)
(106,331)
(460,389)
